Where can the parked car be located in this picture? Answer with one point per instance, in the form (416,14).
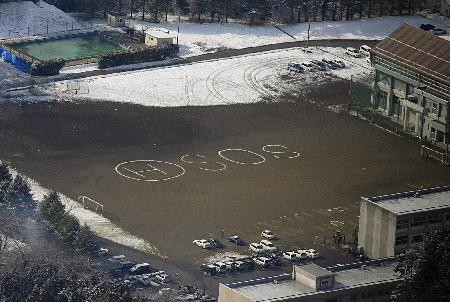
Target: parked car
(236,240)
(310,253)
(163,278)
(427,27)
(118,258)
(320,65)
(220,267)
(208,269)
(203,243)
(255,248)
(230,265)
(340,63)
(351,51)
(268,234)
(301,255)
(240,265)
(249,263)
(292,256)
(268,246)
(330,63)
(296,67)
(102,252)
(309,67)
(126,265)
(263,262)
(365,50)
(438,31)
(139,269)
(274,257)
(216,243)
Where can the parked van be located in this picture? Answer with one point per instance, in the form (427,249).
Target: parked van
(365,50)
(353,52)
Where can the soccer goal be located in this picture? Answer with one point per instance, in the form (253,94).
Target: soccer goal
(89,203)
(77,87)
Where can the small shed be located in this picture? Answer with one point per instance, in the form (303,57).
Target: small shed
(158,38)
(116,19)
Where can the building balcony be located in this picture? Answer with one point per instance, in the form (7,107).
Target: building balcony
(414,106)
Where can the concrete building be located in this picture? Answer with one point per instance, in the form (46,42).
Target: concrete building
(412,83)
(365,281)
(116,19)
(158,38)
(445,8)
(390,224)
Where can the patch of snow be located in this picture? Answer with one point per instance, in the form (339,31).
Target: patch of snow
(243,79)
(20,18)
(223,257)
(196,39)
(102,226)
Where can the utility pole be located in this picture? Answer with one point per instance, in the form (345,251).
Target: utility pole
(178,29)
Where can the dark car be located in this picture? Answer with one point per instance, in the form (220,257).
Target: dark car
(236,240)
(321,65)
(274,257)
(208,269)
(249,263)
(426,27)
(216,243)
(330,63)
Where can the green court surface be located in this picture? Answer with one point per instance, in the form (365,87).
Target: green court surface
(80,47)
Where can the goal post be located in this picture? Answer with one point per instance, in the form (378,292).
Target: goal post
(89,203)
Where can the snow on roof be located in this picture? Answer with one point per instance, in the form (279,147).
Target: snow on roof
(414,201)
(160,34)
(268,290)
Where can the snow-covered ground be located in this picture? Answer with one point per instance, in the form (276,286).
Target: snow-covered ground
(19,18)
(197,38)
(243,79)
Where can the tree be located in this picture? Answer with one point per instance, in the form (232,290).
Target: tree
(425,271)
(21,194)
(5,183)
(51,209)
(68,228)
(85,241)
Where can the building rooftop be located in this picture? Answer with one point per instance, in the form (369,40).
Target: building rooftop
(159,34)
(268,290)
(315,270)
(419,50)
(414,201)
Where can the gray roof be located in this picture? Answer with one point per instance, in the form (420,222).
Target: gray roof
(288,289)
(414,201)
(160,34)
(315,270)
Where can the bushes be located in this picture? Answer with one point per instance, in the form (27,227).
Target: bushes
(14,193)
(137,56)
(47,68)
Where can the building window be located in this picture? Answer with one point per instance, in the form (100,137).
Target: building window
(419,221)
(417,238)
(401,240)
(402,224)
(447,217)
(434,108)
(354,297)
(435,219)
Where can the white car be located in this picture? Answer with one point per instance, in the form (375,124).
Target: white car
(310,253)
(263,261)
(163,278)
(203,243)
(301,255)
(268,246)
(256,248)
(340,63)
(353,52)
(365,50)
(268,234)
(290,256)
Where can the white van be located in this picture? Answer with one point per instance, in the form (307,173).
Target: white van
(365,50)
(353,52)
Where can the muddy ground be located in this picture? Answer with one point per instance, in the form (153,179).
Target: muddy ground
(75,148)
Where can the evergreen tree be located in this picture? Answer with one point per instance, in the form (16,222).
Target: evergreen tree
(51,209)
(5,183)
(21,194)
(85,241)
(426,271)
(68,228)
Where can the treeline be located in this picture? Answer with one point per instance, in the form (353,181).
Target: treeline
(15,194)
(251,10)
